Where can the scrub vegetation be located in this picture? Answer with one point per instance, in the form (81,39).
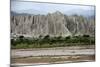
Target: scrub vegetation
(48,42)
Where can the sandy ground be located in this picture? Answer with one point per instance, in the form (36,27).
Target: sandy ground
(53,51)
(48,55)
(52,60)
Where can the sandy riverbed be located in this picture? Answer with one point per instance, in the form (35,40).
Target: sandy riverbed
(54,55)
(53,51)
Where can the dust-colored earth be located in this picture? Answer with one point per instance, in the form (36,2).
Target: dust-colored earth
(53,55)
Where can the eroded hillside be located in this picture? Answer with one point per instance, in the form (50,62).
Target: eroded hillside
(53,24)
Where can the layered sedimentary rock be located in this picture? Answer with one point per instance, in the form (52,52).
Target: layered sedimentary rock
(53,24)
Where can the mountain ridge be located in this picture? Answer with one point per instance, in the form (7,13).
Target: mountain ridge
(53,24)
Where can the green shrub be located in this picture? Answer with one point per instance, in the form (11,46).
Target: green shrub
(21,46)
(48,41)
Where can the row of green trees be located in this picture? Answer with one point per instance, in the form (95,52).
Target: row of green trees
(53,41)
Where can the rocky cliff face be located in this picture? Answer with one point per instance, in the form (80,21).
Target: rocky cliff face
(54,24)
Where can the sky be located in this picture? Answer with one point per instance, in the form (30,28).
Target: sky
(28,7)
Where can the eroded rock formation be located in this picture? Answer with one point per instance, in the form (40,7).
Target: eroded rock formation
(53,24)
